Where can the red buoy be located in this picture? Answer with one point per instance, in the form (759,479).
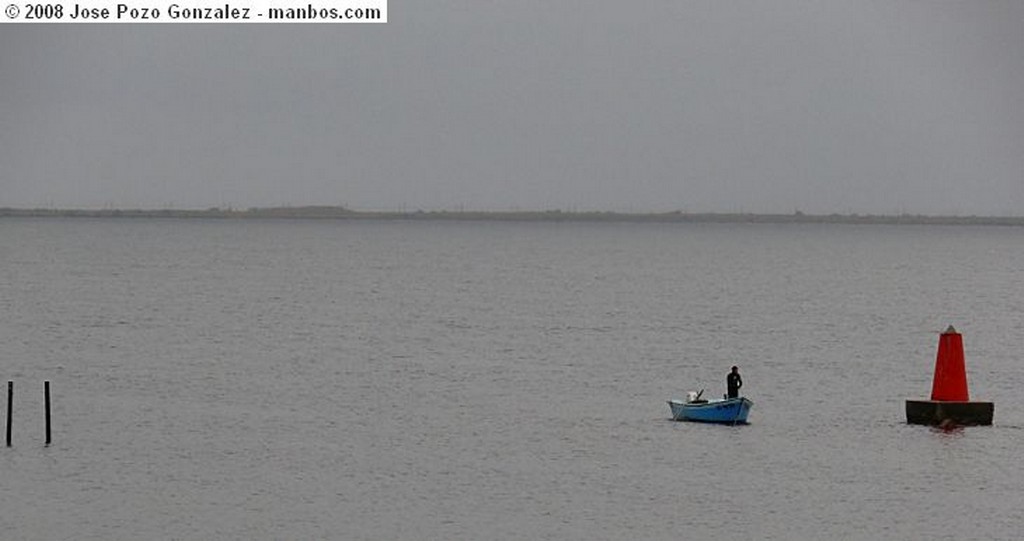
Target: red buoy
(950,381)
(950,404)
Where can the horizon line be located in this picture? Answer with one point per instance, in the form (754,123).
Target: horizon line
(342,212)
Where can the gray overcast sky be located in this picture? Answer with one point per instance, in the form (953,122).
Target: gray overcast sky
(723,106)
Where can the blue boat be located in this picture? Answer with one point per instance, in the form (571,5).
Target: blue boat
(722,410)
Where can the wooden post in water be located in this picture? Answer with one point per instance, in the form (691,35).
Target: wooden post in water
(46,392)
(10,404)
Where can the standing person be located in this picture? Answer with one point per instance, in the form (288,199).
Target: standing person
(733,382)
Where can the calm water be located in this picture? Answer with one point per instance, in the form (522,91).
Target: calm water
(468,381)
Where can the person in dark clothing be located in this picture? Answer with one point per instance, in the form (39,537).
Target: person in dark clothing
(733,382)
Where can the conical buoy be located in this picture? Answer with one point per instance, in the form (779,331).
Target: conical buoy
(950,382)
(950,403)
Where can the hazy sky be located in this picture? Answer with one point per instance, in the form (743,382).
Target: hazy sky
(723,106)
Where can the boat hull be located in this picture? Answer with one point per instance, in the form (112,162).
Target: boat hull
(728,411)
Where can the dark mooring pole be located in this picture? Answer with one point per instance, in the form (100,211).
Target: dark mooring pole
(46,391)
(10,404)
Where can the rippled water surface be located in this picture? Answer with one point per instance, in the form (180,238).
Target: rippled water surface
(445,380)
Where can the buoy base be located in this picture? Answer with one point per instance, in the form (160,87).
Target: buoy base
(946,413)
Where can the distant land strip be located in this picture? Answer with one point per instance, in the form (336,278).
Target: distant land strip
(343,213)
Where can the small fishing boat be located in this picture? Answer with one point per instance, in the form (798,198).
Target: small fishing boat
(722,410)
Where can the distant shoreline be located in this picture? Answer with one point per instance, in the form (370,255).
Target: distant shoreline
(342,213)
